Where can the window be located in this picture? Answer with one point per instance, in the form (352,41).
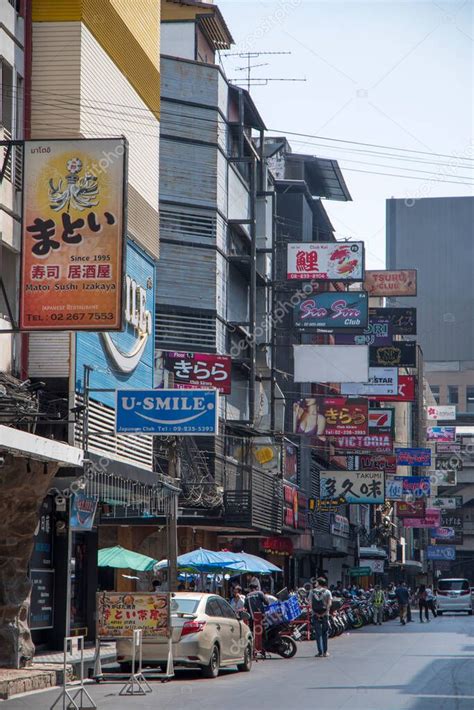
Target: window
(453,394)
(435,392)
(212,607)
(225,609)
(470,399)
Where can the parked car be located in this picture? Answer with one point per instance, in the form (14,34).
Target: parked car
(206,634)
(454,595)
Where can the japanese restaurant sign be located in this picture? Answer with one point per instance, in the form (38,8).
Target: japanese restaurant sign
(353,486)
(333,310)
(391,283)
(331,416)
(401,320)
(192,370)
(372,462)
(73,235)
(119,614)
(326,261)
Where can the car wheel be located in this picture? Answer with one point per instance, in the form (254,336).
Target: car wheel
(246,666)
(212,668)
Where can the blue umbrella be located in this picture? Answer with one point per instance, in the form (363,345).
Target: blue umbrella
(245,562)
(202,560)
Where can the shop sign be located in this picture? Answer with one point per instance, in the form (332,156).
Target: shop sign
(446,536)
(197,370)
(440,552)
(360,571)
(402,320)
(417,486)
(431,519)
(83,509)
(340,525)
(375,566)
(381,381)
(447,503)
(394,487)
(445,412)
(411,509)
(441,433)
(332,310)
(42,556)
(448,463)
(277,545)
(448,448)
(42,599)
(119,614)
(373,462)
(382,443)
(405,392)
(167,411)
(266,455)
(443,477)
(290,463)
(73,234)
(395,355)
(353,486)
(381,420)
(413,457)
(391,283)
(326,261)
(331,416)
(452,518)
(379,333)
(330,363)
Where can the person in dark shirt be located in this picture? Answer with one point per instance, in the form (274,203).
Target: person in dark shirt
(255,601)
(403,599)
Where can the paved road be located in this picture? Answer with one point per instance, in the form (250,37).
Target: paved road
(417,667)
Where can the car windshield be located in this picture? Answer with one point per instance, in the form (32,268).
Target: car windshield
(453,585)
(180,605)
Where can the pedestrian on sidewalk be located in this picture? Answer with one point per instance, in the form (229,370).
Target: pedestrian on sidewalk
(431,601)
(422,602)
(321,600)
(378,600)
(403,598)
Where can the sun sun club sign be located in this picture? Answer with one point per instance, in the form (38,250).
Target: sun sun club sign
(167,412)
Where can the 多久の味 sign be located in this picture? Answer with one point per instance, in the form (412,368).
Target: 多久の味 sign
(326,261)
(119,614)
(353,486)
(194,370)
(332,310)
(391,283)
(73,235)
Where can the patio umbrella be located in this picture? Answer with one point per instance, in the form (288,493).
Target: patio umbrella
(121,558)
(245,562)
(202,560)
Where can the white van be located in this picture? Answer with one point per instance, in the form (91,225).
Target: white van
(453,595)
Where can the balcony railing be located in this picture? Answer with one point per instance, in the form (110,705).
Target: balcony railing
(260,507)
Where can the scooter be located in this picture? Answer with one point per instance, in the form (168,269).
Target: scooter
(277,639)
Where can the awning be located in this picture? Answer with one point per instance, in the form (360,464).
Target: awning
(374,553)
(26,445)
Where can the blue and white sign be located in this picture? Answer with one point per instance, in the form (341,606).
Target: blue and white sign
(441,552)
(123,359)
(83,509)
(165,412)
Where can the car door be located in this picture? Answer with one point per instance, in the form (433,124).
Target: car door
(220,626)
(234,650)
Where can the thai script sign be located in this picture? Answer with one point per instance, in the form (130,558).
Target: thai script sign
(441,433)
(333,310)
(394,355)
(413,457)
(195,370)
(447,536)
(373,462)
(331,416)
(417,486)
(402,321)
(448,447)
(391,283)
(73,234)
(440,552)
(119,614)
(381,381)
(183,412)
(353,486)
(445,412)
(326,261)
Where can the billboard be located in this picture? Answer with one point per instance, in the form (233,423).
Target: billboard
(440,552)
(448,463)
(73,234)
(332,310)
(448,448)
(167,412)
(394,487)
(331,363)
(380,381)
(406,391)
(452,519)
(82,513)
(352,486)
(402,321)
(379,333)
(331,416)
(372,462)
(447,536)
(441,433)
(119,614)
(413,457)
(195,370)
(431,519)
(326,261)
(415,486)
(391,283)
(411,509)
(394,355)
(446,503)
(445,412)
(381,443)
(123,359)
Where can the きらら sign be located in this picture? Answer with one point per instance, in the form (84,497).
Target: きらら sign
(332,310)
(391,283)
(194,370)
(326,261)
(353,486)
(331,416)
(73,235)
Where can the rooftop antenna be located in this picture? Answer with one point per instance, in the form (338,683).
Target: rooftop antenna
(257,81)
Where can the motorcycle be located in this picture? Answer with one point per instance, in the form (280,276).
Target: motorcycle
(277,639)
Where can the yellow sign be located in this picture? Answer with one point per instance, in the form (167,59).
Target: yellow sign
(120,613)
(73,234)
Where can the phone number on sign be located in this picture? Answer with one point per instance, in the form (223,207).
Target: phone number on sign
(81,316)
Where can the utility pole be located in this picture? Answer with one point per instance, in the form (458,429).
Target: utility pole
(174,470)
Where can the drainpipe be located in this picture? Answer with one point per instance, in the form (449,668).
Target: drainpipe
(253,288)
(28,58)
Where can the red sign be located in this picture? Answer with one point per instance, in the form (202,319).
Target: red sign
(345,416)
(277,545)
(381,420)
(378,462)
(406,391)
(431,519)
(192,370)
(382,443)
(414,509)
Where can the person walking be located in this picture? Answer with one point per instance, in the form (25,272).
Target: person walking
(378,600)
(431,601)
(403,598)
(423,602)
(321,600)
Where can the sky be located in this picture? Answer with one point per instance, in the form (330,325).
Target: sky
(396,74)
